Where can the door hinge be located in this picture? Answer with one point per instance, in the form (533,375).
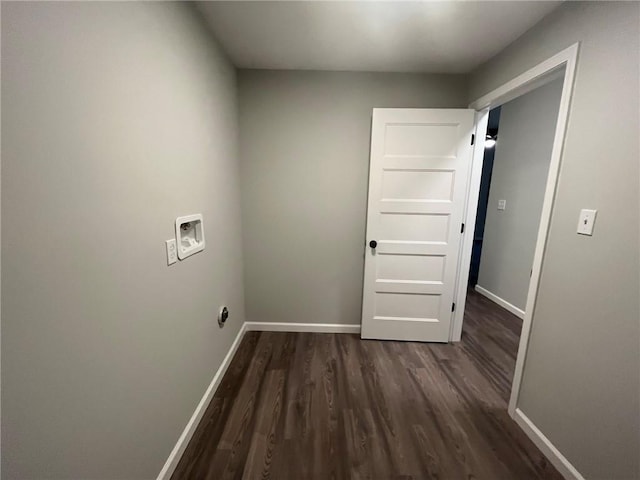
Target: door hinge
(453,307)
(462,228)
(473,138)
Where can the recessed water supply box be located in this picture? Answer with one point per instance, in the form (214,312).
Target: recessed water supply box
(189,235)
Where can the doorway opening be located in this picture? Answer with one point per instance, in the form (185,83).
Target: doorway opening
(521,190)
(517,155)
(512,187)
(483,195)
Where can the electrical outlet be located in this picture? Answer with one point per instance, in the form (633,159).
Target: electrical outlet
(172,251)
(502,204)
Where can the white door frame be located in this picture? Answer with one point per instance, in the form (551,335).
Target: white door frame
(546,71)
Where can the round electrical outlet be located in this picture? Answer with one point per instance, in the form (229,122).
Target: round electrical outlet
(223,316)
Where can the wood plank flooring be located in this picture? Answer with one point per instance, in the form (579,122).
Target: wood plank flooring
(332,406)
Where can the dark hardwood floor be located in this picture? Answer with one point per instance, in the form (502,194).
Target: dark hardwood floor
(322,406)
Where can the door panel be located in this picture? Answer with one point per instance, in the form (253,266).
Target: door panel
(413,227)
(417,184)
(421,140)
(407,306)
(411,268)
(418,175)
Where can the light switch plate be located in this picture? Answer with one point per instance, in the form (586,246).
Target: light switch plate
(502,204)
(586,221)
(172,251)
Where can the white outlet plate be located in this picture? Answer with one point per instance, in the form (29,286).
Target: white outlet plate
(172,251)
(502,204)
(586,221)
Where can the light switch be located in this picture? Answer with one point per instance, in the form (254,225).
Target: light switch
(502,204)
(586,221)
(172,252)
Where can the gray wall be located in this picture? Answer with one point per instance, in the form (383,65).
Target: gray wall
(582,372)
(520,168)
(116,119)
(304,151)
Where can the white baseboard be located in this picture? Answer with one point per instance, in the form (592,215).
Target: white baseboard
(549,450)
(503,303)
(302,327)
(546,447)
(172,462)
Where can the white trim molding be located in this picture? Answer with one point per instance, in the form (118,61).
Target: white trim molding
(568,58)
(469,220)
(172,462)
(549,450)
(500,301)
(564,62)
(302,327)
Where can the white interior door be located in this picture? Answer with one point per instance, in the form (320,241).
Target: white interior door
(418,173)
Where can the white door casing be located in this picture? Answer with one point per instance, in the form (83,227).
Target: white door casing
(418,177)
